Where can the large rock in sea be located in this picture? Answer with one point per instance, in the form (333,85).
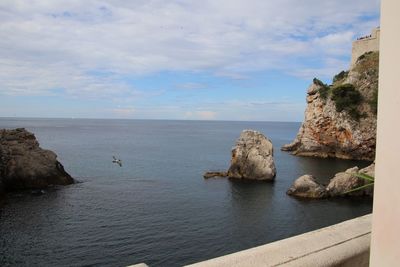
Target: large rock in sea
(252,157)
(346,181)
(24,165)
(307,187)
(340,119)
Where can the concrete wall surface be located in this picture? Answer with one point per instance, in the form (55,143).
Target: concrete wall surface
(385,243)
(343,244)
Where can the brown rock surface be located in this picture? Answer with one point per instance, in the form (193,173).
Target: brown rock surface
(307,187)
(24,165)
(252,157)
(326,132)
(346,181)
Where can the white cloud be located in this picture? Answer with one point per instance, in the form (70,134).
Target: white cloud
(59,44)
(200,115)
(124,112)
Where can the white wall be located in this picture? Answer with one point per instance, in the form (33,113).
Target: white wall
(385,244)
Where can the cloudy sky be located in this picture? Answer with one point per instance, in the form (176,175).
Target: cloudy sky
(144,59)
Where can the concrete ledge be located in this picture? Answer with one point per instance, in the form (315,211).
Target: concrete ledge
(343,244)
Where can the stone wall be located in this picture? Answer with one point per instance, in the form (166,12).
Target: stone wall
(365,44)
(345,244)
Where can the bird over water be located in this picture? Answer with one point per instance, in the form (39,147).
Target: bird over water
(117,161)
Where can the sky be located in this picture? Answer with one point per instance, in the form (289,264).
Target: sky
(246,60)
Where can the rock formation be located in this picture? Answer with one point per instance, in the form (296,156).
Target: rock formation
(340,119)
(24,165)
(307,187)
(252,157)
(346,181)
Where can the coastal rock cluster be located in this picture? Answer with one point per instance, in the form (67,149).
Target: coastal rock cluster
(252,158)
(24,165)
(340,119)
(307,187)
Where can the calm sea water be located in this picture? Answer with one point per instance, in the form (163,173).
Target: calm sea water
(158,208)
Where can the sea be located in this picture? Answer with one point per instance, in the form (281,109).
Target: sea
(157,208)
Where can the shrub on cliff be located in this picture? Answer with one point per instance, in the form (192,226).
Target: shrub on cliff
(340,76)
(347,98)
(373,103)
(324,90)
(365,55)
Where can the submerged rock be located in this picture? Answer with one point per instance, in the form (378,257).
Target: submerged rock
(215,174)
(307,187)
(24,165)
(252,157)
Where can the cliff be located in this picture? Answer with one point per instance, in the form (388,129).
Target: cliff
(340,119)
(24,165)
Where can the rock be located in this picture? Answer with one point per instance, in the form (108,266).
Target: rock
(346,181)
(252,157)
(307,187)
(326,132)
(24,165)
(215,174)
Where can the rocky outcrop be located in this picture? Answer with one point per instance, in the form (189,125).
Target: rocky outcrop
(24,165)
(340,119)
(252,157)
(346,181)
(307,187)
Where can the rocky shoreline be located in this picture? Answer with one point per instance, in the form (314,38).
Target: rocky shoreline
(341,184)
(26,166)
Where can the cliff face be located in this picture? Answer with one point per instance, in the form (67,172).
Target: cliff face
(24,165)
(340,119)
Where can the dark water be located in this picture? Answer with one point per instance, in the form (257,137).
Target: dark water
(157,208)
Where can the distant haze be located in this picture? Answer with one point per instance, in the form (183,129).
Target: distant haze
(211,60)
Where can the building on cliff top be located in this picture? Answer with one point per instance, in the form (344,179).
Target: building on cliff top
(365,44)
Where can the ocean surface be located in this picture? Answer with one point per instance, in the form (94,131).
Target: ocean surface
(157,208)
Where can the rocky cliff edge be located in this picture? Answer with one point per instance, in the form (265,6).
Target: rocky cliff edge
(24,165)
(340,119)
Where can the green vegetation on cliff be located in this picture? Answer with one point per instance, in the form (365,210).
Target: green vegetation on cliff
(347,98)
(364,87)
(340,77)
(324,88)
